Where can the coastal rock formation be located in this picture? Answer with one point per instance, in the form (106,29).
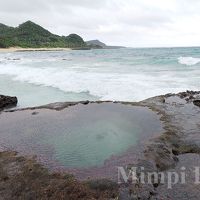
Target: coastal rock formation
(7,102)
(177,146)
(196,102)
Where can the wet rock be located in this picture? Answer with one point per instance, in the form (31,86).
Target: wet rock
(162,156)
(7,102)
(124,194)
(35,113)
(102,185)
(145,166)
(187,146)
(85,102)
(189,96)
(162,99)
(196,102)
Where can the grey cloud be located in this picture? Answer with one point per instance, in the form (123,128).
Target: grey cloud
(121,22)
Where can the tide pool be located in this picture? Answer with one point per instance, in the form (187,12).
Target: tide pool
(80,136)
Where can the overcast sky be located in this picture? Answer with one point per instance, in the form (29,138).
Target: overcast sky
(136,23)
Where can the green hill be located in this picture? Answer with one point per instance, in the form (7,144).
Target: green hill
(32,35)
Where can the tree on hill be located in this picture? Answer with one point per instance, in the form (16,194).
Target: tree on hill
(30,34)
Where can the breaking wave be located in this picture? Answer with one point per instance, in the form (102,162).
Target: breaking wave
(103,85)
(188,61)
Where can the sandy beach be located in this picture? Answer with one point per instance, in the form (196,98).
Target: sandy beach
(18,49)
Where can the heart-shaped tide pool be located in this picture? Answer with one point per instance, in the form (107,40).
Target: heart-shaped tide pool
(78,136)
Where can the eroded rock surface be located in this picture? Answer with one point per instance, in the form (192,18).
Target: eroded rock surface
(178,146)
(23,178)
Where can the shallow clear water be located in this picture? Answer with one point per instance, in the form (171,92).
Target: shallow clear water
(79,136)
(38,78)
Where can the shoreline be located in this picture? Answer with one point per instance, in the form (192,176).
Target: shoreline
(19,49)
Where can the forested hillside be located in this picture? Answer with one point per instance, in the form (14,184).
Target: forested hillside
(31,35)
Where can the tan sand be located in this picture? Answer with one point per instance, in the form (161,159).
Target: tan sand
(18,49)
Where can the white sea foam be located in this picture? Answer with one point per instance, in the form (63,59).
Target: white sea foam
(132,86)
(188,61)
(124,75)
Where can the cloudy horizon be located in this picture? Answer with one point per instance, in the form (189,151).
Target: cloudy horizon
(132,23)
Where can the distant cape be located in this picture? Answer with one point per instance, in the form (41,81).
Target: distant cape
(100,45)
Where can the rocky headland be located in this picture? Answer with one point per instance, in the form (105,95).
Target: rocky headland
(177,146)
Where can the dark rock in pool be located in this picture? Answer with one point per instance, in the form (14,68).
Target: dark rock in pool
(7,102)
(196,102)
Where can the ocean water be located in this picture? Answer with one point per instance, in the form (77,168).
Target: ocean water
(38,78)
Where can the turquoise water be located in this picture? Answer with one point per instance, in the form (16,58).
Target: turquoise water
(38,78)
(79,136)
